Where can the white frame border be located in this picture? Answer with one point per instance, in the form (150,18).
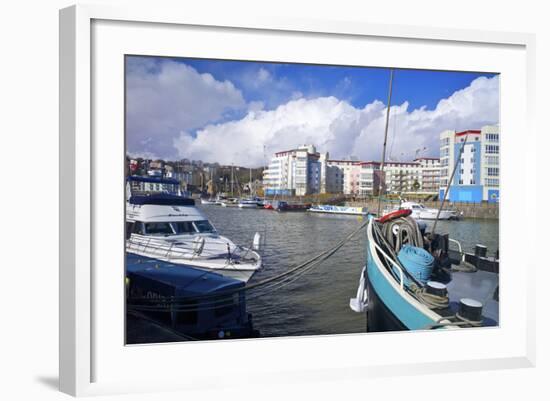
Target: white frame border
(75,278)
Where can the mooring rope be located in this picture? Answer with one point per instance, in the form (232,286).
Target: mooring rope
(280,279)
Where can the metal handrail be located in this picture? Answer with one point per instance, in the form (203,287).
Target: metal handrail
(459,248)
(399,269)
(158,246)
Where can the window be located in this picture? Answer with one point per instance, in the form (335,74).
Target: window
(138,228)
(158,228)
(472,182)
(493,171)
(183,227)
(491,182)
(129,228)
(491,149)
(204,226)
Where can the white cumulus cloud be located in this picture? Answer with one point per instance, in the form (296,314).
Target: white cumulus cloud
(164,98)
(336,126)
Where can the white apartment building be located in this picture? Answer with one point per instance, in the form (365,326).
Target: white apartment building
(294,172)
(343,176)
(369,179)
(304,171)
(402,176)
(429,174)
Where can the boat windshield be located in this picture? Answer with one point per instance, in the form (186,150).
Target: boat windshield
(204,226)
(160,228)
(183,227)
(179,227)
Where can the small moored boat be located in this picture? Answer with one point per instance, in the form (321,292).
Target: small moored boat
(248,204)
(421,212)
(349,210)
(208,201)
(411,280)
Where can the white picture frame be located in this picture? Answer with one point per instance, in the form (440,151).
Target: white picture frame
(84,348)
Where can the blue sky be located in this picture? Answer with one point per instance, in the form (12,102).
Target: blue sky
(197,108)
(358,85)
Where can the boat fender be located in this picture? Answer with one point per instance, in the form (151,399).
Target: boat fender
(360,302)
(256,241)
(395,215)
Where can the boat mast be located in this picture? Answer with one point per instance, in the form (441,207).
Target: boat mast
(231,179)
(449,183)
(385,141)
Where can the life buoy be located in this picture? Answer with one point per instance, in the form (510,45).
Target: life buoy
(395,215)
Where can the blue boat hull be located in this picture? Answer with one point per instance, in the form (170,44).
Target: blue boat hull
(379,316)
(389,307)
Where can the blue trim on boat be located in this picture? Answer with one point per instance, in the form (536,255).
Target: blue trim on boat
(161,199)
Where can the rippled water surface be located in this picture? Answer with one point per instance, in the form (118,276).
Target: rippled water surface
(318,302)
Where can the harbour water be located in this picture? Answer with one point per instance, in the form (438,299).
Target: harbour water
(317,303)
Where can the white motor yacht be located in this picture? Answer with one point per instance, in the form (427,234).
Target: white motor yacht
(170,228)
(248,204)
(421,212)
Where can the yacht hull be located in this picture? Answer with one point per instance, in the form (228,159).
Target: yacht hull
(241,265)
(248,205)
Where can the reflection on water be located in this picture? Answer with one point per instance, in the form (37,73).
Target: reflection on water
(317,303)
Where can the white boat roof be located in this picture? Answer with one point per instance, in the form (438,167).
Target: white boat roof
(405,204)
(162,213)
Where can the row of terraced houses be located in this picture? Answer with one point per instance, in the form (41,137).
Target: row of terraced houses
(304,171)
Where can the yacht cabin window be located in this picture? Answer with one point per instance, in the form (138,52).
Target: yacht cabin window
(158,228)
(183,227)
(204,226)
(173,228)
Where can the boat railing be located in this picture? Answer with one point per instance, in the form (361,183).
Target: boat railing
(180,250)
(389,259)
(454,241)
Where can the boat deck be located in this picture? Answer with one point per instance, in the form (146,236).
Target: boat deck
(481,286)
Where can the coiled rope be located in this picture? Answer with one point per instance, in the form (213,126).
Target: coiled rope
(432,301)
(401,231)
(461,322)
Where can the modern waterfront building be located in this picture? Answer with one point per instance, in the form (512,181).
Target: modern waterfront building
(477,175)
(402,176)
(369,179)
(305,171)
(429,174)
(294,172)
(343,176)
